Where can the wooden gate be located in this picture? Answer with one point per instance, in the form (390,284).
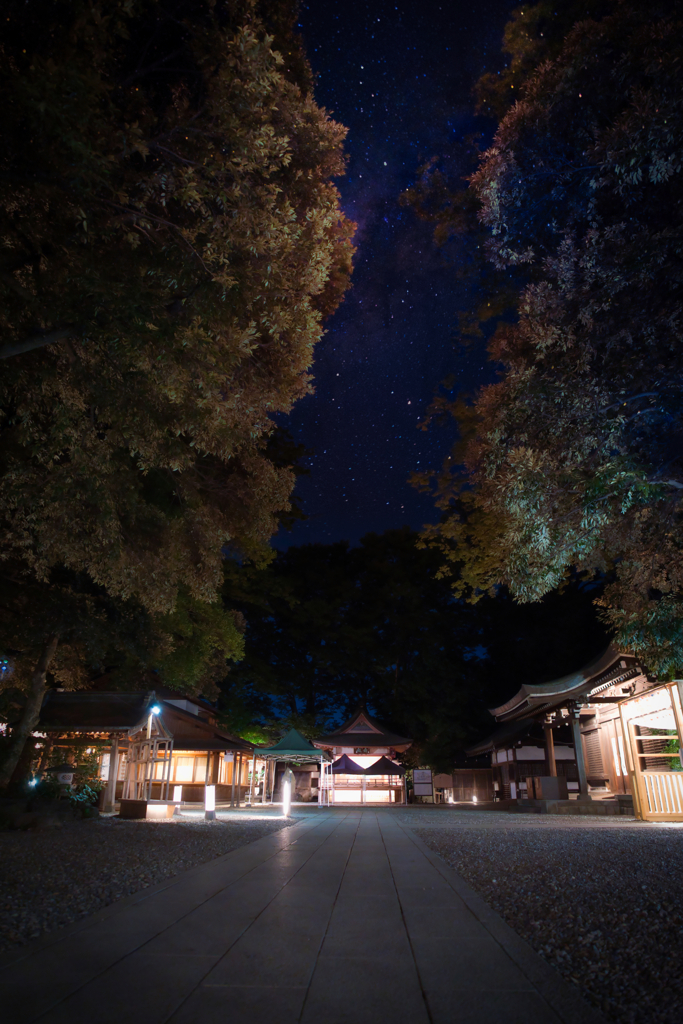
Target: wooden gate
(653,726)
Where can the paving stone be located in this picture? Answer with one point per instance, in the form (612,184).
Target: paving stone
(344,918)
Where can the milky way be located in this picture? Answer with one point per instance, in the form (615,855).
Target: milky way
(400,78)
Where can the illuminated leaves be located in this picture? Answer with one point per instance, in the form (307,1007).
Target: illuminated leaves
(182,229)
(576,458)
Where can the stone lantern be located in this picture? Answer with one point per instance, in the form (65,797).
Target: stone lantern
(64,775)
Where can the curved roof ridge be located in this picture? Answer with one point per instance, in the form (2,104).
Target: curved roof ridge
(575,683)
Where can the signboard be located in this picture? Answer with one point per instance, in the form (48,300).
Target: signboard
(422,782)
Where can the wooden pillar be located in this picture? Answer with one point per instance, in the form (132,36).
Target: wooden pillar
(110,788)
(578,755)
(267,781)
(550,749)
(253,773)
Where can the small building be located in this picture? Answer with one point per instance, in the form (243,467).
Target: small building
(469,781)
(157,741)
(365,740)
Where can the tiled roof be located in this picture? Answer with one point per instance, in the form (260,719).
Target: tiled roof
(610,668)
(362,730)
(94,712)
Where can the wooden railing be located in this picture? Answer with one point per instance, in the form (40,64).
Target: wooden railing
(663,792)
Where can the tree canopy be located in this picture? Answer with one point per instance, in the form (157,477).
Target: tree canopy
(170,243)
(573,458)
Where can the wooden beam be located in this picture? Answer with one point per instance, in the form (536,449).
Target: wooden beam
(550,749)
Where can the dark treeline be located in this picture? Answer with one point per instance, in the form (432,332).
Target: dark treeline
(330,625)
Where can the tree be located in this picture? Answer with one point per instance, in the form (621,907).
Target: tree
(170,241)
(295,641)
(329,626)
(574,458)
(67,631)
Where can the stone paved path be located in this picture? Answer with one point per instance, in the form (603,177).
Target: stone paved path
(344,918)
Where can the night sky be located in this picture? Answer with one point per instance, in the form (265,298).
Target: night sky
(399,76)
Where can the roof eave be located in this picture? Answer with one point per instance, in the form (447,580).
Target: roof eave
(556,691)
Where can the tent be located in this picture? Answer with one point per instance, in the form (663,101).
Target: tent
(385,767)
(293,747)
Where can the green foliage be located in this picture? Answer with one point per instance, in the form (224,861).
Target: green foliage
(170,242)
(534,34)
(202,638)
(168,211)
(83,798)
(573,458)
(85,761)
(673,747)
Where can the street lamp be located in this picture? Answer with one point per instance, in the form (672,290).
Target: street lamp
(154,710)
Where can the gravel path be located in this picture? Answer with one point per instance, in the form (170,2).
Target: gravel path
(599,899)
(52,878)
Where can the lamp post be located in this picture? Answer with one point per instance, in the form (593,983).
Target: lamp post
(154,710)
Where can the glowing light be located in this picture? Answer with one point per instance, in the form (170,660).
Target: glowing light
(33,782)
(287,793)
(156,710)
(474,799)
(177,794)
(209,802)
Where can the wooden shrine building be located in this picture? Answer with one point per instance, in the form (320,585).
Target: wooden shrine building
(159,744)
(609,731)
(370,772)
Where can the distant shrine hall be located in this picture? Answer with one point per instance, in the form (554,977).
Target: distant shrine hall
(159,750)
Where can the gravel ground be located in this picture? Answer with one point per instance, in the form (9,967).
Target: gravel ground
(599,899)
(52,878)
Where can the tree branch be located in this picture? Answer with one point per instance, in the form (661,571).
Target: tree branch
(631,398)
(139,215)
(666,483)
(37,341)
(156,66)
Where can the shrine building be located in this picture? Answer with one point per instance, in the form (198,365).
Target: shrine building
(608,734)
(159,746)
(364,768)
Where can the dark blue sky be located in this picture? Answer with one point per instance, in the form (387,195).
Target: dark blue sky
(399,76)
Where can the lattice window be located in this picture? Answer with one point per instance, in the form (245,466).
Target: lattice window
(596,769)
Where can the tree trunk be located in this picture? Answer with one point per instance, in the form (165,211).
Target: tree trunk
(22,769)
(29,719)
